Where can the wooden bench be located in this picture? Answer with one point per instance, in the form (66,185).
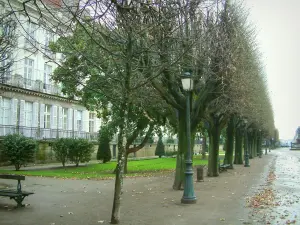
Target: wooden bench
(224,167)
(18,195)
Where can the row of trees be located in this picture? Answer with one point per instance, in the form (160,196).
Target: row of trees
(124,59)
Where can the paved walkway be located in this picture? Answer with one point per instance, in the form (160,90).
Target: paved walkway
(146,201)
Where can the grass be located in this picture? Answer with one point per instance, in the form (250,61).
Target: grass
(104,171)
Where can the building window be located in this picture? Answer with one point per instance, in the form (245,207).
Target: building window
(31,34)
(79,120)
(5,111)
(47,116)
(47,74)
(49,37)
(28,114)
(91,122)
(28,70)
(64,118)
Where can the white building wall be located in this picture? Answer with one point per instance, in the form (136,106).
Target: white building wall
(17,72)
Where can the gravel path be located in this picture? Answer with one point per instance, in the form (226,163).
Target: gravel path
(146,200)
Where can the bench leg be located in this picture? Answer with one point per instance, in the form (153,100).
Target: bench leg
(19,201)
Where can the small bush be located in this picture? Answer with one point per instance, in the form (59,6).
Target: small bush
(104,152)
(160,148)
(80,150)
(19,150)
(61,149)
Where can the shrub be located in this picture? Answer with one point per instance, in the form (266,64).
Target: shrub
(19,150)
(61,149)
(104,152)
(160,148)
(80,150)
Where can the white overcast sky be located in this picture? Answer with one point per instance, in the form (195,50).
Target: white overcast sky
(278,26)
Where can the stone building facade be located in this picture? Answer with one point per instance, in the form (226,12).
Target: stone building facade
(30,103)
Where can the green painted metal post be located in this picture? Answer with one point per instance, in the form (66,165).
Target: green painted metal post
(188,193)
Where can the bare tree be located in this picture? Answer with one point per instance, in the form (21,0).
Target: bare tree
(7,42)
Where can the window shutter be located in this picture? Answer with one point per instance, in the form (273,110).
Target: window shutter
(42,112)
(22,113)
(75,120)
(70,119)
(53,117)
(2,129)
(1,111)
(85,120)
(14,108)
(60,118)
(97,124)
(35,117)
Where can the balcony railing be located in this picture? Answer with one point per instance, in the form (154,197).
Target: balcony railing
(35,85)
(45,133)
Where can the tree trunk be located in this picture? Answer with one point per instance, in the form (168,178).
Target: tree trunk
(229,143)
(213,157)
(115,217)
(250,145)
(203,152)
(181,152)
(125,163)
(17,167)
(238,156)
(255,144)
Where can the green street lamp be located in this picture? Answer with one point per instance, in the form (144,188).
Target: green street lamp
(246,147)
(188,193)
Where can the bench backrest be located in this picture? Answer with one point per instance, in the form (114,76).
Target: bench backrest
(12,177)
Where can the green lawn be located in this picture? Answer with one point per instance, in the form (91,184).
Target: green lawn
(102,171)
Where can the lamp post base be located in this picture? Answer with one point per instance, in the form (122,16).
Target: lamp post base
(189,200)
(188,192)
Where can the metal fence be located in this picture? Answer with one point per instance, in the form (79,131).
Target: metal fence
(35,85)
(46,133)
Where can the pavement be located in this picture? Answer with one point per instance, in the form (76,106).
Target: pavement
(152,201)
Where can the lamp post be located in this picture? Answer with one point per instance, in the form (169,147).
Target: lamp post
(246,148)
(188,193)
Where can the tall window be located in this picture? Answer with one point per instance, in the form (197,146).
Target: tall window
(47,74)
(28,70)
(91,122)
(28,114)
(79,120)
(49,37)
(64,118)
(5,111)
(47,116)
(31,34)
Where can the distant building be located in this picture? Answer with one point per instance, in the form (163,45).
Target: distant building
(30,103)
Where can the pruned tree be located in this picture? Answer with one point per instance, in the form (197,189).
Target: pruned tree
(160,147)
(8,38)
(105,136)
